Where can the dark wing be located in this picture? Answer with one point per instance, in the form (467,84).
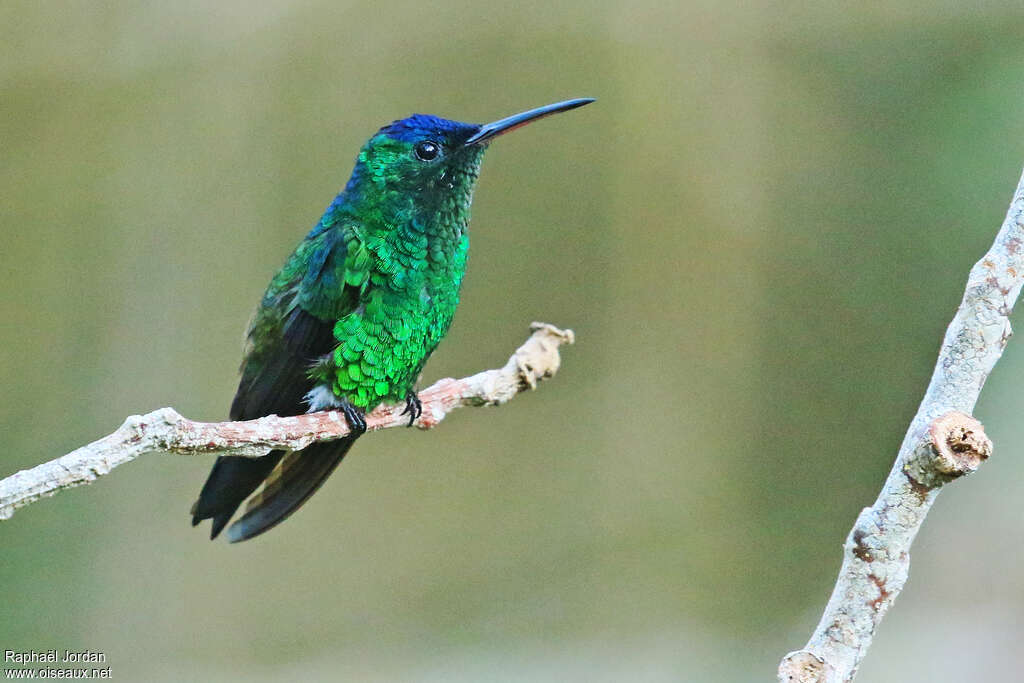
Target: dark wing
(291,330)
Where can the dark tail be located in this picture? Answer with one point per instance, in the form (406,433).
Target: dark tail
(231,481)
(291,478)
(288,486)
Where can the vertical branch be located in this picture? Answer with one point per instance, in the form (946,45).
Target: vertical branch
(942,443)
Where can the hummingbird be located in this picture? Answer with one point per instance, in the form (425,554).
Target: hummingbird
(357,309)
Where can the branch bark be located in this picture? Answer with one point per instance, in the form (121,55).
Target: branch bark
(943,443)
(164,430)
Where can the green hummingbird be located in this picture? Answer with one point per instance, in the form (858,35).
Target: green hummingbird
(359,306)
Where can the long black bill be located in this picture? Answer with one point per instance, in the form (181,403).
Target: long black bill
(510,123)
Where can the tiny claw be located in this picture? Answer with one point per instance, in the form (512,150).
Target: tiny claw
(413,407)
(355,418)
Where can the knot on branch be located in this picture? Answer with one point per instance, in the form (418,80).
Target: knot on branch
(538,358)
(954,444)
(959,443)
(804,666)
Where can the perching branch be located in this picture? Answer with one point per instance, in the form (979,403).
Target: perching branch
(943,443)
(166,431)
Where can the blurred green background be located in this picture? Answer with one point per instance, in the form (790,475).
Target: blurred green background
(758,234)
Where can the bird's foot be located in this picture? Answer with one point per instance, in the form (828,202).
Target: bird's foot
(355,418)
(413,407)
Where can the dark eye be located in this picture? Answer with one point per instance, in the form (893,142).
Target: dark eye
(427,150)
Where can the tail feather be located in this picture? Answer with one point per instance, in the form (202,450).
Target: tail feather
(231,481)
(288,486)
